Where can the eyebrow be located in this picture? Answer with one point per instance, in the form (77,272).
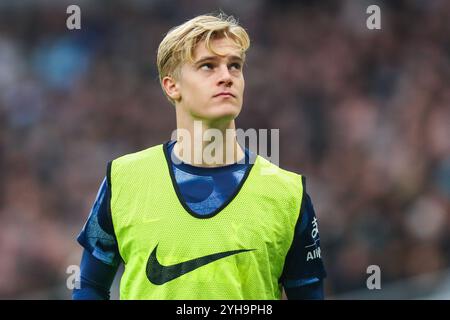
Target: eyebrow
(209,58)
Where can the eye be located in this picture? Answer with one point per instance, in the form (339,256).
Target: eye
(236,66)
(207,66)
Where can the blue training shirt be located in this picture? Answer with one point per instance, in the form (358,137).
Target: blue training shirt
(204,190)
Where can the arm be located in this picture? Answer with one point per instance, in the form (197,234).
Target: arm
(96,279)
(304,270)
(101,257)
(312,291)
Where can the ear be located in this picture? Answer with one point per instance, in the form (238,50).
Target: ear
(171,87)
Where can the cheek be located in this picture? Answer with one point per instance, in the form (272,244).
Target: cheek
(195,95)
(241,87)
(241,83)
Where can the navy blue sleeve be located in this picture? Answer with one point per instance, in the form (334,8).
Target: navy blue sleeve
(97,235)
(312,291)
(96,278)
(303,264)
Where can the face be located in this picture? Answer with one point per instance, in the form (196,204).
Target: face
(212,87)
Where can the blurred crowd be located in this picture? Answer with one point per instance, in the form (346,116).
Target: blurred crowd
(363,114)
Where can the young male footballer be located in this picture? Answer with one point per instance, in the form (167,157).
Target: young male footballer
(188,228)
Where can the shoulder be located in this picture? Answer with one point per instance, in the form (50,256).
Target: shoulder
(137,156)
(134,166)
(136,160)
(273,182)
(279,176)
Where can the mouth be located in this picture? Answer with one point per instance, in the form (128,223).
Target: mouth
(224,94)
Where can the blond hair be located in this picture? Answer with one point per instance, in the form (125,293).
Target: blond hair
(178,45)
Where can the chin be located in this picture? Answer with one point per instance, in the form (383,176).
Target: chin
(225,111)
(218,112)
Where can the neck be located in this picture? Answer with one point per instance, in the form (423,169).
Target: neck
(207,143)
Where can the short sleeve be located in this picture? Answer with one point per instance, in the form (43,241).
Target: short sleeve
(97,235)
(303,264)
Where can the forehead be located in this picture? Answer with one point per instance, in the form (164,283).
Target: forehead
(222,47)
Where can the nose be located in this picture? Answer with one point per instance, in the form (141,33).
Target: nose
(225,76)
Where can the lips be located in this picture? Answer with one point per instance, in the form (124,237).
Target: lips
(225,94)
